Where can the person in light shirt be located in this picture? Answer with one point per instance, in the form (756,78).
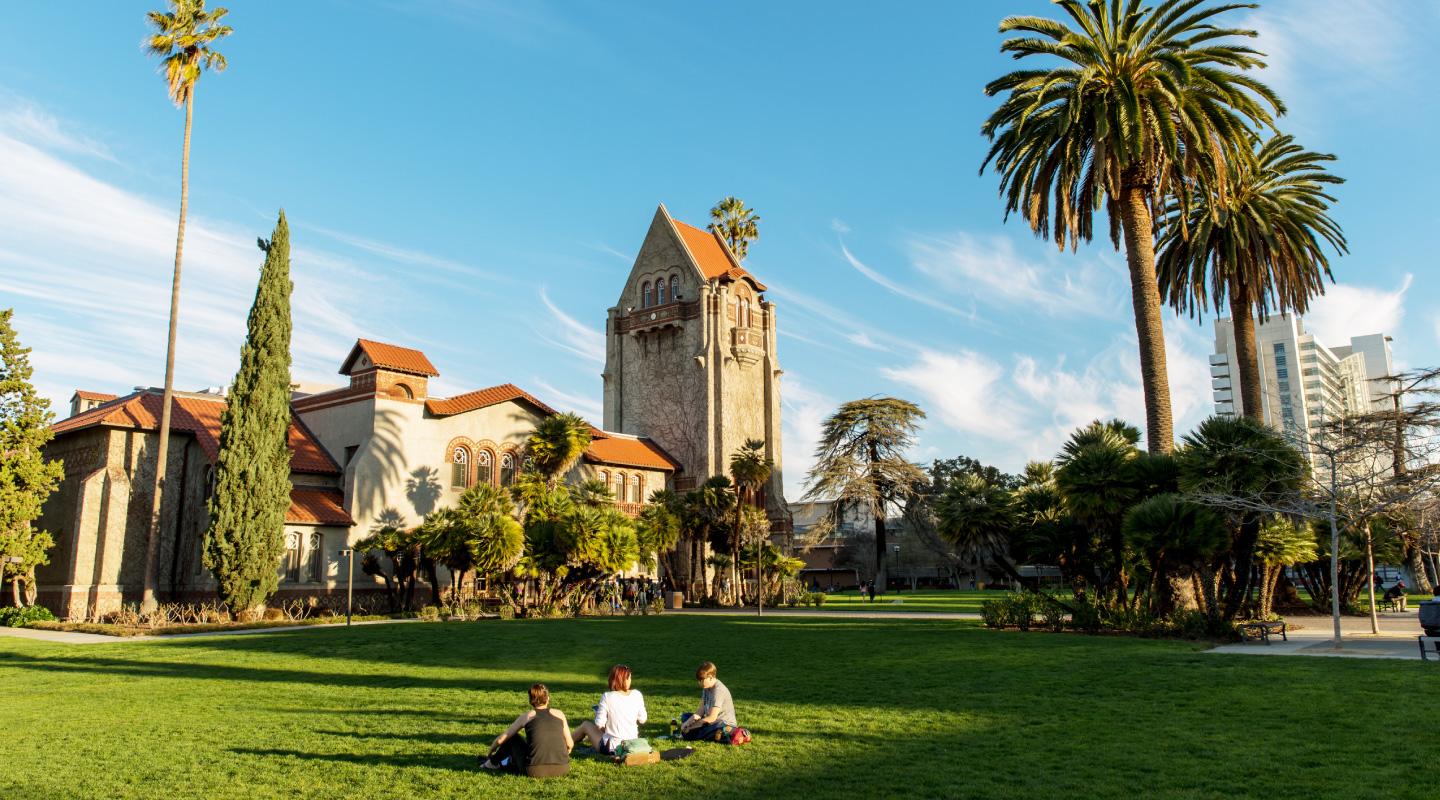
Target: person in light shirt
(618,716)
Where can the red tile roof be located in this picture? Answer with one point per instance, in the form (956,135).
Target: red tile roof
(199,416)
(390,356)
(628,451)
(101,396)
(317,506)
(481,398)
(711,254)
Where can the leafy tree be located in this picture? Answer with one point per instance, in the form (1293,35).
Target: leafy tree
(704,515)
(860,462)
(400,547)
(1237,456)
(749,470)
(556,444)
(26,477)
(658,529)
(1131,104)
(1281,543)
(479,533)
(569,546)
(736,224)
(184,39)
(1257,241)
(245,541)
(978,518)
(1172,534)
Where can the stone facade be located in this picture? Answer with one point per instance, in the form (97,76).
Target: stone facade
(690,356)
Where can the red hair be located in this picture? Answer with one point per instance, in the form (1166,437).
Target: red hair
(619,677)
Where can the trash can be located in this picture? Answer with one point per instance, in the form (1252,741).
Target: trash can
(675,600)
(1430,617)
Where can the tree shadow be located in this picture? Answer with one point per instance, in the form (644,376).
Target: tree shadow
(423,489)
(453,762)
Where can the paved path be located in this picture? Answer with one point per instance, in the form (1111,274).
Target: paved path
(1315,637)
(801,612)
(75,637)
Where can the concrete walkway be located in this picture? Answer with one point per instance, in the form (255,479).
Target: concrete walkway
(74,637)
(1316,637)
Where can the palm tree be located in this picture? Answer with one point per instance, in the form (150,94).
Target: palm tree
(750,470)
(705,510)
(1094,474)
(556,443)
(1175,534)
(1145,100)
(1258,241)
(184,39)
(736,224)
(860,462)
(978,518)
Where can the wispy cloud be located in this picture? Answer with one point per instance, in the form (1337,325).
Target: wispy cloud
(991,270)
(804,411)
(906,292)
(25,121)
(1348,310)
(839,226)
(585,405)
(572,335)
(406,256)
(862,339)
(608,250)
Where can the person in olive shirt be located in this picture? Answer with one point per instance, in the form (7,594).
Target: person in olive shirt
(544,750)
(716,713)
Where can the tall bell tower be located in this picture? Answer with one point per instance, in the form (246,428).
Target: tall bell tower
(690,358)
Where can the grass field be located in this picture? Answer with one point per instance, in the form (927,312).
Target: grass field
(839,708)
(945,600)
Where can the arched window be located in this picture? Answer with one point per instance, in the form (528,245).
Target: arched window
(292,557)
(507,469)
(315,559)
(645,296)
(460,468)
(634,488)
(605,477)
(674,287)
(620,487)
(660,292)
(484,467)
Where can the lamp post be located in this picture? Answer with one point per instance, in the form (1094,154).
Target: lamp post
(349,554)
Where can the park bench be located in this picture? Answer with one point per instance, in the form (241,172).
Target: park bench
(1391,604)
(1429,644)
(1263,630)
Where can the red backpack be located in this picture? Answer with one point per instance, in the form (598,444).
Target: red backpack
(739,736)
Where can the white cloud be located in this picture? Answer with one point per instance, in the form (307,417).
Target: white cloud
(28,123)
(862,339)
(572,335)
(990,269)
(904,291)
(1348,310)
(965,391)
(804,411)
(583,404)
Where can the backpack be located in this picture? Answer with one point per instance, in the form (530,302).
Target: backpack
(631,747)
(739,736)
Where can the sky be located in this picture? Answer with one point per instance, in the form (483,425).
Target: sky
(473,179)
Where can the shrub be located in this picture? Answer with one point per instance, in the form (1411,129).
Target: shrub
(819,598)
(430,613)
(657,605)
(1087,614)
(1052,613)
(21,617)
(994,613)
(507,611)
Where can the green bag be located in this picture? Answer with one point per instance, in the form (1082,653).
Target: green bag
(630,747)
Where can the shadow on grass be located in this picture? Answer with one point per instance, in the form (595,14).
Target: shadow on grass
(454,762)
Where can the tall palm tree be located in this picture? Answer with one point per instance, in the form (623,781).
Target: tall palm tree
(184,39)
(1095,475)
(860,462)
(705,510)
(556,443)
(750,470)
(1258,241)
(1144,100)
(736,224)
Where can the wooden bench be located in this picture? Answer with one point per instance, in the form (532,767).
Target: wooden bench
(1391,604)
(1429,644)
(1263,630)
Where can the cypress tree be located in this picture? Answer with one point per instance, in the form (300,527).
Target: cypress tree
(26,478)
(245,540)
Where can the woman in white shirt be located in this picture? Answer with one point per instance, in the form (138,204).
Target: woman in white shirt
(618,717)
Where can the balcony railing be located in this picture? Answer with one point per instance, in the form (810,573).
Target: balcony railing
(753,337)
(657,316)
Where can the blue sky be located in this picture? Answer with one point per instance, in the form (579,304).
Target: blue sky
(473,178)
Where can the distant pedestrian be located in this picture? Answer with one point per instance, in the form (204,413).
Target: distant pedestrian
(871,591)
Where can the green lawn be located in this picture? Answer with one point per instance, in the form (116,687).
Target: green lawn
(839,708)
(950,600)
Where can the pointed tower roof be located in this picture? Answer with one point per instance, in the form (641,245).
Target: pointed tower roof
(710,253)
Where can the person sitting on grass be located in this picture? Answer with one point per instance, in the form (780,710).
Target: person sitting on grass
(618,717)
(544,749)
(716,714)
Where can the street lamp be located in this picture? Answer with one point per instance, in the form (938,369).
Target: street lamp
(349,555)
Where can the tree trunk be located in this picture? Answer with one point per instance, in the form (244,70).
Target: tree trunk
(149,601)
(15,590)
(880,574)
(1139,231)
(1370,579)
(1244,565)
(1242,309)
(735,563)
(1415,565)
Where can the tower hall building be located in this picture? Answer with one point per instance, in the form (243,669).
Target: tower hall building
(1303,382)
(691,374)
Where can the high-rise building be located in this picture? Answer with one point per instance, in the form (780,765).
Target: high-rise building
(1303,383)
